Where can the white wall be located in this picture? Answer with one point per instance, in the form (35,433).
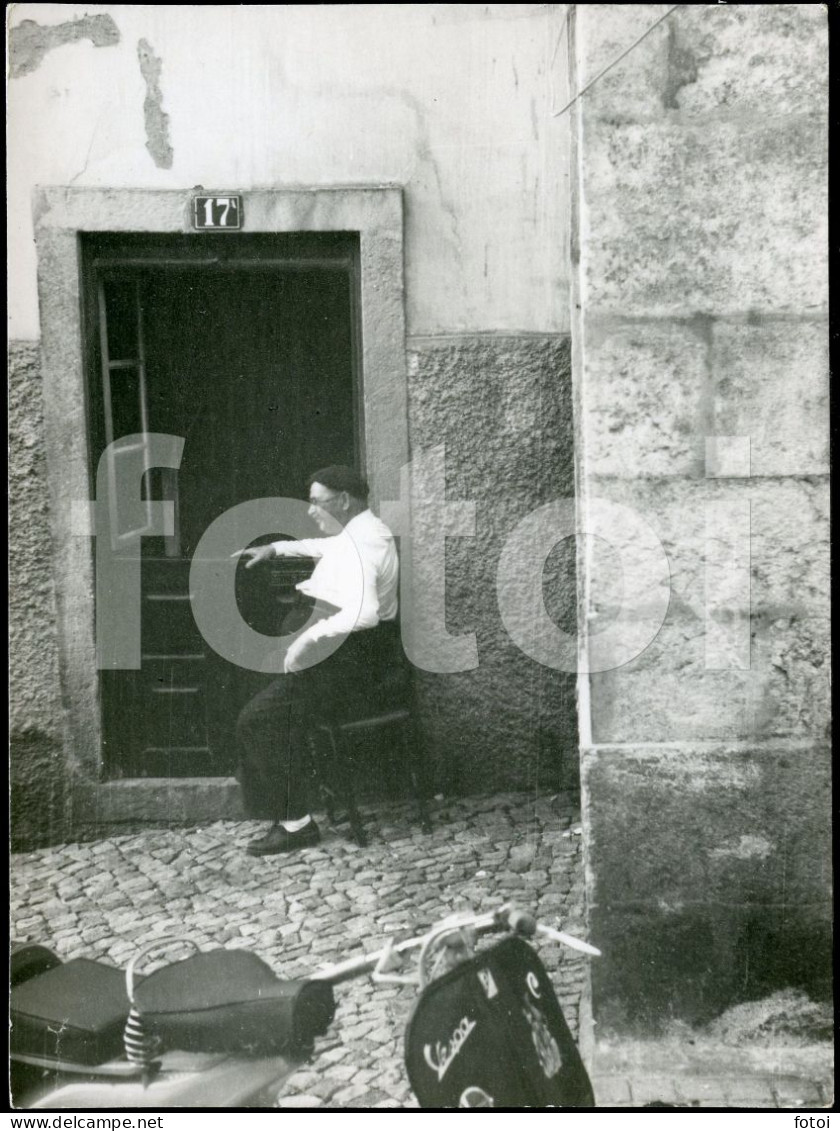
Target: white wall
(453,101)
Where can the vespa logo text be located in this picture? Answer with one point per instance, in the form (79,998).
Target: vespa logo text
(441,1056)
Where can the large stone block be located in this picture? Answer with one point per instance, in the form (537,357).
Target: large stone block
(709,876)
(661,969)
(742,651)
(633,86)
(668,694)
(645,408)
(655,390)
(677,217)
(771,384)
(762,58)
(786,539)
(719,821)
(790,545)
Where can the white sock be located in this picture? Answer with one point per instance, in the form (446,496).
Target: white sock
(293,826)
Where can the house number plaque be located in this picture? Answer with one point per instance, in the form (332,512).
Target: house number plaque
(217,213)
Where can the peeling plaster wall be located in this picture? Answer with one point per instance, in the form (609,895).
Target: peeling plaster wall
(157,121)
(29,41)
(452,101)
(701,312)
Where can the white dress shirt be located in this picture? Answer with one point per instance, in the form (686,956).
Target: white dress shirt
(357,572)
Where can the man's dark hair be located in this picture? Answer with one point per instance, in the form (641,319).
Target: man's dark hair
(341,478)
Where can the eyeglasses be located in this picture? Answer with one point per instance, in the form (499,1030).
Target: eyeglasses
(323,502)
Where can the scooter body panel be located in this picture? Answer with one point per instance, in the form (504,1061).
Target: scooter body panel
(225,1082)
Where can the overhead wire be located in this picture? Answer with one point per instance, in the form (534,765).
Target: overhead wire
(617,60)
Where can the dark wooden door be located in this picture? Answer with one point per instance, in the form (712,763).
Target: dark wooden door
(246,347)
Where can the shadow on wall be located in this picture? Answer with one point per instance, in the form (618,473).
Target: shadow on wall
(690,968)
(781,951)
(38,801)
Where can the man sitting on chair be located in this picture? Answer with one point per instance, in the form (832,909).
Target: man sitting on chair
(354,586)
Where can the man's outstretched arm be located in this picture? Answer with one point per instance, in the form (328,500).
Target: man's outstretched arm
(303,548)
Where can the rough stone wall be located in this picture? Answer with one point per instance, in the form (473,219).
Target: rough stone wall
(502,408)
(701,313)
(37,766)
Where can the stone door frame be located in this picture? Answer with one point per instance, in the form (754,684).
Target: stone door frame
(60,215)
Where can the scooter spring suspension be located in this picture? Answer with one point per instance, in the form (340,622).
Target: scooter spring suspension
(140,1047)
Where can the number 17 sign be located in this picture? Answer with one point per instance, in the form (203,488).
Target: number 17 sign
(217,213)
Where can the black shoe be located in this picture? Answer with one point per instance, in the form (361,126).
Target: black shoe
(266,836)
(279,840)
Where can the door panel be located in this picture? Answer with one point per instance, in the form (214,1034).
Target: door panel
(250,358)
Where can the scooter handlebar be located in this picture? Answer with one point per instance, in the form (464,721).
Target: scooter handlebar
(505,918)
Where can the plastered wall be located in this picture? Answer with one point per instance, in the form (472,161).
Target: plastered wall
(452,101)
(39,787)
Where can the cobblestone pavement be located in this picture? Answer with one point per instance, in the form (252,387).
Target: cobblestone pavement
(103,899)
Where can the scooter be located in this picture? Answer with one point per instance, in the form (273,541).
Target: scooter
(220,1029)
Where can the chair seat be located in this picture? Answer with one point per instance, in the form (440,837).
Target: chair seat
(379,699)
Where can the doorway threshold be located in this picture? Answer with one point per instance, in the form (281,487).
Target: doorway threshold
(165,801)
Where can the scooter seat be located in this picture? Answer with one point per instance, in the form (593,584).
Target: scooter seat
(231,1001)
(74,1012)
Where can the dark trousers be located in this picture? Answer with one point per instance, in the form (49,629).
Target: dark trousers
(272,728)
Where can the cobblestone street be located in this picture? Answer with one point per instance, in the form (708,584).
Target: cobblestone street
(103,899)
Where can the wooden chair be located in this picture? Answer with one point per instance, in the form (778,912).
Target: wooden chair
(333,758)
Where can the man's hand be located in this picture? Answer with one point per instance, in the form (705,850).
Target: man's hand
(255,554)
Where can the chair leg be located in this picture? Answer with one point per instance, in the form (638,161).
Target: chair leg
(350,793)
(341,773)
(319,767)
(413,757)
